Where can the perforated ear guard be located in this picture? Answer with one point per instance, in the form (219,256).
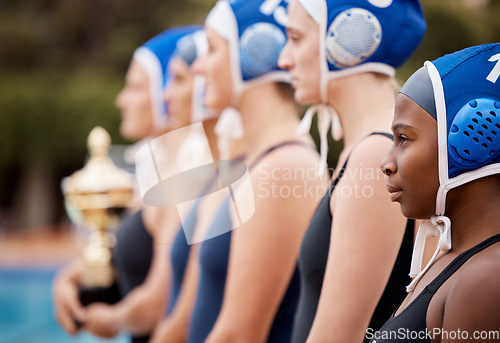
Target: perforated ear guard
(256,34)
(260,47)
(475,132)
(352,37)
(383,33)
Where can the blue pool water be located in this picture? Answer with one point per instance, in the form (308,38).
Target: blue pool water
(26,311)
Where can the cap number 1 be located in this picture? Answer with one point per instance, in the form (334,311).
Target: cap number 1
(495,73)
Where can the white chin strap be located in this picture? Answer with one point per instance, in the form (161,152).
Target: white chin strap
(194,150)
(429,228)
(438,222)
(327,117)
(228,129)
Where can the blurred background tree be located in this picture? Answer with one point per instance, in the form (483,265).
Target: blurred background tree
(63,62)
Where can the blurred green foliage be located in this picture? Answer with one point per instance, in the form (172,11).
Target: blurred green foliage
(63,62)
(45,117)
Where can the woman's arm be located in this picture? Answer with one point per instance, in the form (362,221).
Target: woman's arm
(65,292)
(175,327)
(141,310)
(367,231)
(264,250)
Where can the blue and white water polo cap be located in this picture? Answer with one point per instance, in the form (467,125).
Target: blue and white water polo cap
(359,36)
(366,35)
(255,30)
(154,56)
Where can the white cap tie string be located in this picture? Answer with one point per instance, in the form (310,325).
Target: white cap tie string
(327,117)
(429,228)
(228,129)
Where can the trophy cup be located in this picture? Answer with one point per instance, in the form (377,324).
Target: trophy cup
(94,197)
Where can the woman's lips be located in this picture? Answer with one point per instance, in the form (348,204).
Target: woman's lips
(394,192)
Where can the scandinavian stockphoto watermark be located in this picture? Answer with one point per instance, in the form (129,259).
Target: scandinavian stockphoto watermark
(272,182)
(406,335)
(177,170)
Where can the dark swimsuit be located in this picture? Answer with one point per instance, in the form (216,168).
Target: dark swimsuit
(179,253)
(132,257)
(413,319)
(214,259)
(312,266)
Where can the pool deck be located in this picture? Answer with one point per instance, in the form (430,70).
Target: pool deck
(39,247)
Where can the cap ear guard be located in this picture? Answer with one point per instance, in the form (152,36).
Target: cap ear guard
(260,47)
(474,136)
(353,36)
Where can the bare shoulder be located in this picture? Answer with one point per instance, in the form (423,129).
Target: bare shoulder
(481,271)
(370,151)
(475,289)
(290,164)
(156,220)
(286,182)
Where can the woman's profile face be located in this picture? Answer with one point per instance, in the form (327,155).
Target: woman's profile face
(178,94)
(301,54)
(134,103)
(216,67)
(412,163)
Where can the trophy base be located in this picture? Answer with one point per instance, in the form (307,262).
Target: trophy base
(109,295)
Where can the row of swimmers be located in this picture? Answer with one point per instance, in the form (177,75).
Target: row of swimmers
(337,268)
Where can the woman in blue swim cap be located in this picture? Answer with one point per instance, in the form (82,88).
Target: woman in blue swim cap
(248,285)
(342,56)
(444,168)
(138,254)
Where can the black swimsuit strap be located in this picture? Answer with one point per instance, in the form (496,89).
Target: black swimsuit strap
(275,147)
(212,180)
(459,261)
(342,170)
(388,135)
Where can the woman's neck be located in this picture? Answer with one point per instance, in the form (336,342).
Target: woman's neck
(364,103)
(267,119)
(209,127)
(473,211)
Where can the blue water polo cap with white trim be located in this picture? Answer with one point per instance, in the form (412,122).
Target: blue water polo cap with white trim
(358,32)
(255,30)
(154,57)
(357,36)
(471,85)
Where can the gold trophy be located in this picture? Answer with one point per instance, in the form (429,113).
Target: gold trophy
(94,197)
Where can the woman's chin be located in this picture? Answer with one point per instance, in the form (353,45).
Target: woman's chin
(215,104)
(305,97)
(413,214)
(131,133)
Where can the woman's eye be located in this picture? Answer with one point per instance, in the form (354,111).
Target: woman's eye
(403,139)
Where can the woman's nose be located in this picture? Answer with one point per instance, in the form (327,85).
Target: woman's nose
(388,165)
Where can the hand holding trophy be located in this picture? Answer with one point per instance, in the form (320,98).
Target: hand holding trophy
(94,198)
